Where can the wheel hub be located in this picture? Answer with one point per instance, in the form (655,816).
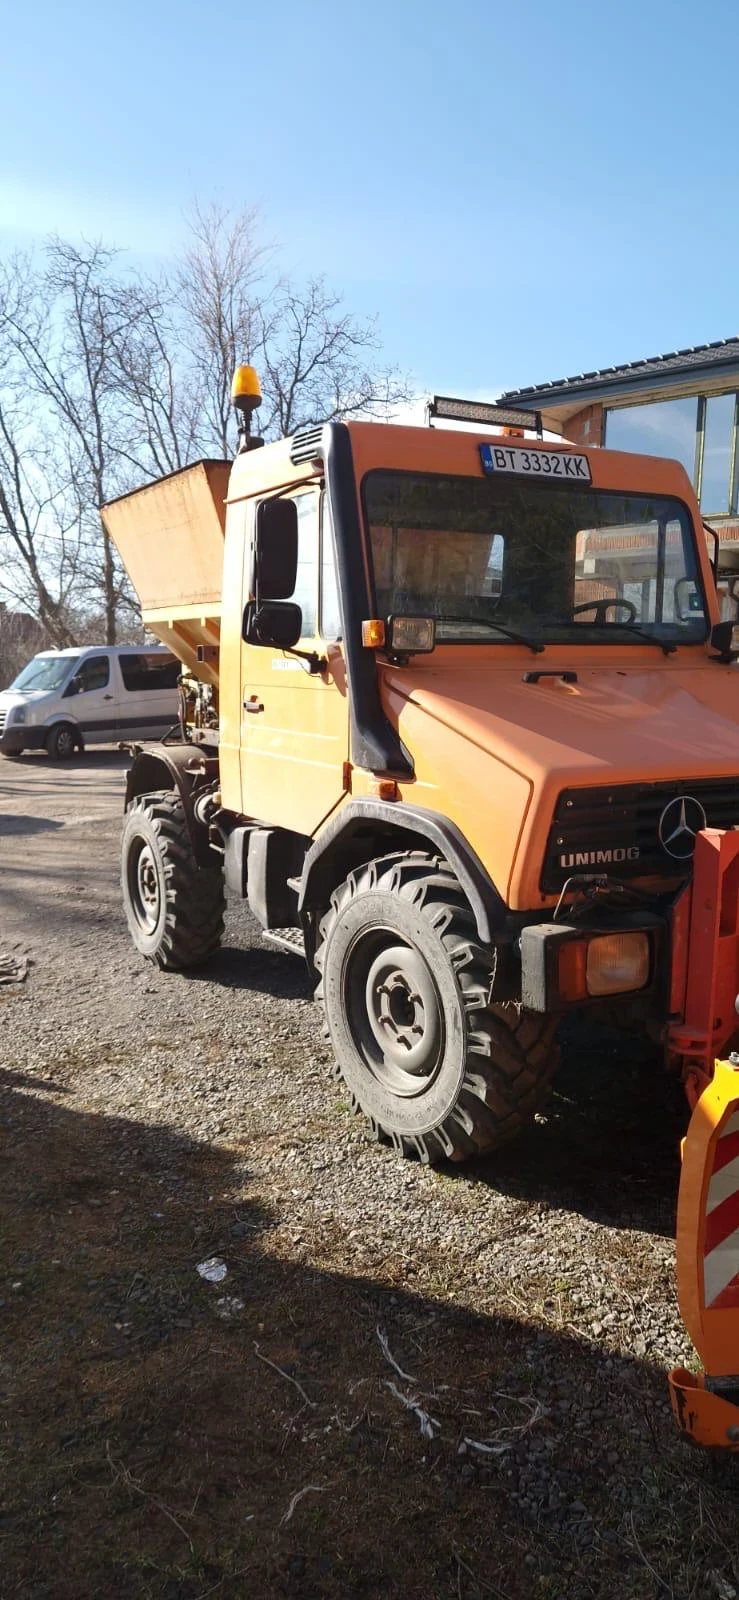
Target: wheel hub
(402,1009)
(147,888)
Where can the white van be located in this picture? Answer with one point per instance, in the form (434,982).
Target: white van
(66,699)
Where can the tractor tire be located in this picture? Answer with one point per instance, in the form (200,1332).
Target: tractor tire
(174,908)
(404,983)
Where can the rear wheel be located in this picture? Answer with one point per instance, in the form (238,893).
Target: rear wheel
(404,984)
(61,742)
(174,908)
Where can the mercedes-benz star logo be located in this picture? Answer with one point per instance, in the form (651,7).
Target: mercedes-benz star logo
(679,823)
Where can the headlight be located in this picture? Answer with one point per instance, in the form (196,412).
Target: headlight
(562,965)
(617,962)
(18,714)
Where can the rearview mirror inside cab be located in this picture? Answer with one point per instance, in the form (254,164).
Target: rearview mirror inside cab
(688,600)
(276,550)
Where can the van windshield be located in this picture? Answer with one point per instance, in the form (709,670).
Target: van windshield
(45,672)
(557,564)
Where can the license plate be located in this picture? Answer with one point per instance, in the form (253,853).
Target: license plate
(560,465)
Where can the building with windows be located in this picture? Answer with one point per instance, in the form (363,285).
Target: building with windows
(684,405)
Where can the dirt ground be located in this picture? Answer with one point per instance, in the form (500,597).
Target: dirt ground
(408,1383)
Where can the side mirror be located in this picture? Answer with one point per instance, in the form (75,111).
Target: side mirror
(73,687)
(725,639)
(276,549)
(278,623)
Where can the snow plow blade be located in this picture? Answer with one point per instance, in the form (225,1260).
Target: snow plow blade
(706,1404)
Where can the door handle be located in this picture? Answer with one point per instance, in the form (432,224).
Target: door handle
(108,697)
(253,704)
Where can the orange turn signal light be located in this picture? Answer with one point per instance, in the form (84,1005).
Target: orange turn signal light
(373,633)
(573,970)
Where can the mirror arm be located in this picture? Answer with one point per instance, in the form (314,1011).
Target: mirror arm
(316,663)
(714,558)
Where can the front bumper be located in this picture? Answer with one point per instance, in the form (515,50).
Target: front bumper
(19,737)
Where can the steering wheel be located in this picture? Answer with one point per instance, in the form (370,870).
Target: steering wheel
(600,607)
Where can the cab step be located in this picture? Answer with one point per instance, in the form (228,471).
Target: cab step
(290,939)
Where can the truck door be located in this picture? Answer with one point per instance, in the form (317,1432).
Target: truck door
(294,723)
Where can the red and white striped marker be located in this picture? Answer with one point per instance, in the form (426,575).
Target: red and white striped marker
(721,1242)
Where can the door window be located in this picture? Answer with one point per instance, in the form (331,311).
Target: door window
(330,611)
(316,569)
(305,593)
(93,674)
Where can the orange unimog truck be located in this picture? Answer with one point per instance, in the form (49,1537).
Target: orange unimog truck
(460,722)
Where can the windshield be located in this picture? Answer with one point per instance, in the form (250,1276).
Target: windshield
(45,672)
(554,564)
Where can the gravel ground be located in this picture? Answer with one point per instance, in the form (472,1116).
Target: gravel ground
(408,1382)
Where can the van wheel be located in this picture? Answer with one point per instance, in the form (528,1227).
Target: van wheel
(61,742)
(174,908)
(404,984)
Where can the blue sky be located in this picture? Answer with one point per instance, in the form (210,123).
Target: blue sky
(519,191)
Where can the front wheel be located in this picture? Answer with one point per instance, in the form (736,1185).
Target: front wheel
(405,988)
(61,742)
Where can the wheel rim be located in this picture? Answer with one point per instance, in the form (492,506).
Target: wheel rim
(64,742)
(394,1011)
(143,885)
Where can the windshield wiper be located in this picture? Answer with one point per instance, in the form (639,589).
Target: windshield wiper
(487,622)
(668,649)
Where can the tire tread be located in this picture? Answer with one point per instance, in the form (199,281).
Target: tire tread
(195,898)
(511,1054)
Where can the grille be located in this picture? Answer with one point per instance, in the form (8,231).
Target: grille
(621,825)
(3,715)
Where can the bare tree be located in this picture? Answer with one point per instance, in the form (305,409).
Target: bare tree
(109,377)
(222,290)
(39,541)
(67,360)
(317,362)
(159,395)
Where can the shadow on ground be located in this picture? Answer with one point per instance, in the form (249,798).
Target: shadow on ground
(608,1142)
(100,758)
(607,1145)
(169,1437)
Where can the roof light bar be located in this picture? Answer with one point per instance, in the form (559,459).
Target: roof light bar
(489,416)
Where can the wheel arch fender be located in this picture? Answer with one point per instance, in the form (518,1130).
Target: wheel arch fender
(177,767)
(364,828)
(55,720)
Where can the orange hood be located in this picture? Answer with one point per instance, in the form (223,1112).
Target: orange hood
(500,750)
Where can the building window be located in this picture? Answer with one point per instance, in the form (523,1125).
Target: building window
(699,431)
(668,428)
(718,430)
